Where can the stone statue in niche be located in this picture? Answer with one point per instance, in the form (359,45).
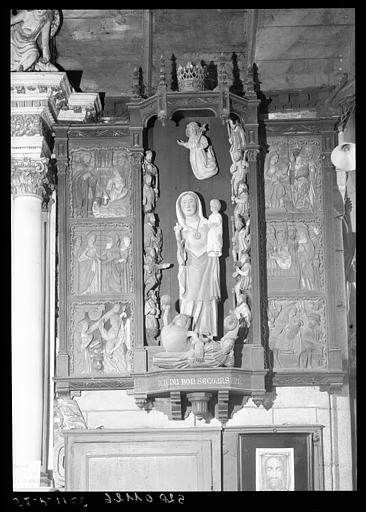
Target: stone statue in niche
(293,255)
(199,274)
(26,27)
(201,155)
(297,333)
(104,345)
(185,348)
(214,235)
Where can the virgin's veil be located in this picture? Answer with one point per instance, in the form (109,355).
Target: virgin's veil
(180,214)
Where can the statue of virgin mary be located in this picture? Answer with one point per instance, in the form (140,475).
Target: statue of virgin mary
(199,274)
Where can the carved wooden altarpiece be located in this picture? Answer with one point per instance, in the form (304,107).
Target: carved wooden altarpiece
(99,264)
(117,262)
(301,238)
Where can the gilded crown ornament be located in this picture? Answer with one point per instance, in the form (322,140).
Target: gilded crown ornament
(191,77)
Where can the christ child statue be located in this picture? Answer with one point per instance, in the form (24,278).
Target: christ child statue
(214,235)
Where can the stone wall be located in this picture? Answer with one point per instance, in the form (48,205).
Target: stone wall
(117,409)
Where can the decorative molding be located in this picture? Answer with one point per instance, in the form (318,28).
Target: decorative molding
(326,380)
(91,132)
(68,384)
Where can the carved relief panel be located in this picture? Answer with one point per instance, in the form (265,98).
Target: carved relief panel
(100,270)
(292,174)
(100,184)
(294,255)
(101,337)
(101,259)
(297,332)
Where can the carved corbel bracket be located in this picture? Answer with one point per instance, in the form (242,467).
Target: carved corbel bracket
(175,405)
(200,401)
(223,405)
(143,401)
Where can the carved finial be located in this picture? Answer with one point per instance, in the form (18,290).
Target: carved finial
(222,73)
(162,76)
(135,83)
(249,83)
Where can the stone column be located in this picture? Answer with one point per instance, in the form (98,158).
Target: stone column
(27,178)
(38,101)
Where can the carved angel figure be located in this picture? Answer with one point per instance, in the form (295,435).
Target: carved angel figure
(201,155)
(26,27)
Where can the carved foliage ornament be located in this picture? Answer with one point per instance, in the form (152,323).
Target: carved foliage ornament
(28,176)
(27,125)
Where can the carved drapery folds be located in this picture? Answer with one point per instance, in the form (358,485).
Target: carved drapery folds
(26,27)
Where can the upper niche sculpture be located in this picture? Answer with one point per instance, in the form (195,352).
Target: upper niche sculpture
(201,155)
(26,27)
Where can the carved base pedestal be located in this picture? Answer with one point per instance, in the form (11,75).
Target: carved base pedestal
(205,389)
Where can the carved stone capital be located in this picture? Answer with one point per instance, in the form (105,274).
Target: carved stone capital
(252,154)
(28,176)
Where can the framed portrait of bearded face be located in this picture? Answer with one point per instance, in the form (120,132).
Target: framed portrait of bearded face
(274,469)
